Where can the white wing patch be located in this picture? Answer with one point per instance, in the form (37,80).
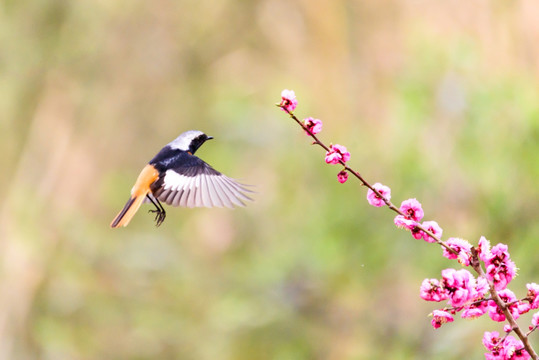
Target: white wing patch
(203,190)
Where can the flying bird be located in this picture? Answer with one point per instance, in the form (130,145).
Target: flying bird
(177,177)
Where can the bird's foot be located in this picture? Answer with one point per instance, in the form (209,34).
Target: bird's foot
(160,216)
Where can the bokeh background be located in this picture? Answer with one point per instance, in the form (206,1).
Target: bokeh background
(437,99)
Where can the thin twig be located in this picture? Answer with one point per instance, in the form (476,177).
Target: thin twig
(389,204)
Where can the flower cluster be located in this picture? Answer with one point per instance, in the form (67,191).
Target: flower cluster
(469,296)
(500,269)
(460,288)
(503,348)
(413,213)
(464,294)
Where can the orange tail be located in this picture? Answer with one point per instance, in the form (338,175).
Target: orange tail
(127,213)
(142,188)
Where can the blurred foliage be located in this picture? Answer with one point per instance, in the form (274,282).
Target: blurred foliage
(438,100)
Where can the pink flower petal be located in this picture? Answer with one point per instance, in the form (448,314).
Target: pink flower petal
(411,208)
(288,100)
(374,200)
(314,125)
(342,176)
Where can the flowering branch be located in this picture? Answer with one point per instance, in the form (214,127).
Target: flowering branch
(309,130)
(459,287)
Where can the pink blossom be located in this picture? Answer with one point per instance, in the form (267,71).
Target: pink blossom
(507,348)
(510,299)
(288,100)
(513,349)
(404,223)
(433,227)
(342,176)
(481,288)
(495,313)
(491,340)
(535,320)
(336,154)
(432,290)
(500,269)
(523,307)
(411,208)
(333,157)
(507,328)
(533,295)
(313,125)
(374,199)
(417,233)
(460,286)
(483,249)
(474,310)
(478,305)
(440,317)
(463,249)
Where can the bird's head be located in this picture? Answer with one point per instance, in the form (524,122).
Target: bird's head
(189,141)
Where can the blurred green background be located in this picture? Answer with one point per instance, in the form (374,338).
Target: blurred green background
(436,99)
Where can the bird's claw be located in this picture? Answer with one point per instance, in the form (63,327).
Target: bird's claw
(160,216)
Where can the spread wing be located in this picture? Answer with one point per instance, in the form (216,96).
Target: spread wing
(197,184)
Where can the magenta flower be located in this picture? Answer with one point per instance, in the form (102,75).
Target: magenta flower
(417,233)
(411,208)
(288,100)
(515,349)
(433,227)
(432,290)
(404,223)
(342,176)
(460,286)
(481,288)
(523,307)
(508,297)
(313,125)
(500,269)
(507,348)
(374,199)
(494,313)
(494,344)
(533,295)
(336,154)
(477,307)
(491,340)
(463,249)
(474,310)
(483,249)
(440,317)
(535,320)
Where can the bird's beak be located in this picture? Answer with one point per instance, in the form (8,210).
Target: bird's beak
(209,138)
